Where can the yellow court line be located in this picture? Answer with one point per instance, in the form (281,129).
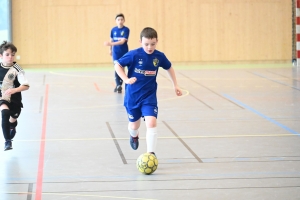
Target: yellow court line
(172,137)
(79,195)
(111,105)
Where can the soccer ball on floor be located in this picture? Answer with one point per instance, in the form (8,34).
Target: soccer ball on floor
(147,163)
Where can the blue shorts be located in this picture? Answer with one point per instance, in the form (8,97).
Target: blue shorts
(144,110)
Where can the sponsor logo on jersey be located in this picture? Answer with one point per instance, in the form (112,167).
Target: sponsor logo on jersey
(117,38)
(145,72)
(155,62)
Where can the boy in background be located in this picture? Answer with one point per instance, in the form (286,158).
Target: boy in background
(13,82)
(140,86)
(118,45)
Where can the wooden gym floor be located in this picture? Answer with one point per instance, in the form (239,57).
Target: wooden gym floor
(234,134)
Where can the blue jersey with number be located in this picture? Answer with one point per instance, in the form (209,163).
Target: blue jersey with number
(144,67)
(117,34)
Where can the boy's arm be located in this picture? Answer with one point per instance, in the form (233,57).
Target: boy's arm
(120,71)
(111,43)
(15,90)
(110,47)
(171,73)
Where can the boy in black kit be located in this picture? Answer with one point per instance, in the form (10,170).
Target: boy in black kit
(12,83)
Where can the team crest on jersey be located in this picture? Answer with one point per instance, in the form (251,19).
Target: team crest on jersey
(140,62)
(122,33)
(11,76)
(155,62)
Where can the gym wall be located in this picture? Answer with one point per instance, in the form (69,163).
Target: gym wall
(73,31)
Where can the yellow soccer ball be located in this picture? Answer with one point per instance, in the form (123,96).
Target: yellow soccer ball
(147,163)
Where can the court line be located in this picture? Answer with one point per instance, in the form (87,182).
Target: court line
(29,195)
(78,195)
(97,87)
(211,91)
(262,115)
(274,80)
(201,101)
(284,76)
(171,137)
(116,143)
(191,94)
(39,183)
(41,104)
(111,105)
(184,144)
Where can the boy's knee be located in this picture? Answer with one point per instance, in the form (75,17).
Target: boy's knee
(150,121)
(133,125)
(5,114)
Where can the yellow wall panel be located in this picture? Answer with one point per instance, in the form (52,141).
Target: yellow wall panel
(73,31)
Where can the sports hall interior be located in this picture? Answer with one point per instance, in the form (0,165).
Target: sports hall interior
(233,134)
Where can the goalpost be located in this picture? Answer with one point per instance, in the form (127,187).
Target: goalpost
(296,36)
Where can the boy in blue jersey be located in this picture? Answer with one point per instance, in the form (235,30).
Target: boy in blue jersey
(118,45)
(140,86)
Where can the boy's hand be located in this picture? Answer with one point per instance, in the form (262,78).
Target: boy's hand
(107,43)
(178,91)
(10,91)
(131,80)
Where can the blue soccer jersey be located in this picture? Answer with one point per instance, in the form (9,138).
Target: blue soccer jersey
(144,67)
(117,34)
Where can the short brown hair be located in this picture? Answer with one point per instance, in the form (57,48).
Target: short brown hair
(7,45)
(149,33)
(120,15)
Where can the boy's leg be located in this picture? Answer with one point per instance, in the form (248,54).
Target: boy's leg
(151,135)
(150,112)
(134,134)
(119,83)
(15,112)
(5,112)
(13,124)
(134,117)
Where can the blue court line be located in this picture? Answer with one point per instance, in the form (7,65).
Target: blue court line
(262,115)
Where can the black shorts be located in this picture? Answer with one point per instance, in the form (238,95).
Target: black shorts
(15,110)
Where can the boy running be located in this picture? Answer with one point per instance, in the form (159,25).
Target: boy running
(12,83)
(140,86)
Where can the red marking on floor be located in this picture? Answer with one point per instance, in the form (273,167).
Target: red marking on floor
(39,182)
(96,86)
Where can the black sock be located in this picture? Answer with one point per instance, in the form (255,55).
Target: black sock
(5,124)
(14,124)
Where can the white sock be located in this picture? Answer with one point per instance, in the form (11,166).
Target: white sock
(133,133)
(151,139)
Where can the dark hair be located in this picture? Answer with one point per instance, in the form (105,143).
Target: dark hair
(7,45)
(149,33)
(120,15)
